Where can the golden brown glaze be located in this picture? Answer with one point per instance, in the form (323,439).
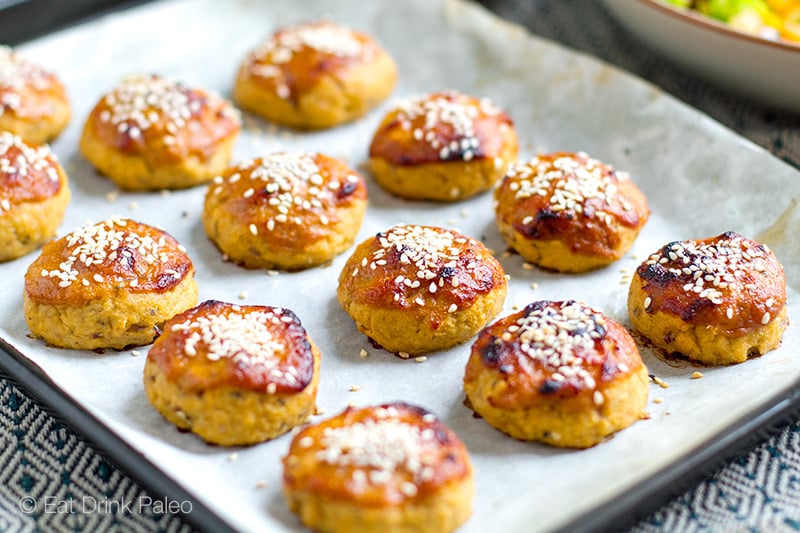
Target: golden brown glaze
(406,266)
(572,198)
(217,344)
(291,198)
(99,260)
(728,281)
(26,89)
(162,121)
(442,126)
(378,456)
(553,350)
(295,58)
(28,173)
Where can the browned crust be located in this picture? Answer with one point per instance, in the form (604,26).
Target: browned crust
(258,207)
(581,232)
(41,105)
(117,273)
(304,471)
(36,103)
(199,373)
(380,286)
(754,295)
(612,357)
(395,143)
(36,185)
(212,122)
(307,65)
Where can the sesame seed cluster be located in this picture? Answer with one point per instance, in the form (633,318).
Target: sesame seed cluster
(324,37)
(562,339)
(140,103)
(423,115)
(24,161)
(104,243)
(291,183)
(709,269)
(429,250)
(568,183)
(15,75)
(246,337)
(378,448)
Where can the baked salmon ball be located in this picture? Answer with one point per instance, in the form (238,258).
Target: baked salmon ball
(107,285)
(33,101)
(392,467)
(151,133)
(418,289)
(718,300)
(444,146)
(561,373)
(289,211)
(34,194)
(569,212)
(233,374)
(315,75)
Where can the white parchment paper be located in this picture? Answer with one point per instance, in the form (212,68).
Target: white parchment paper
(700,179)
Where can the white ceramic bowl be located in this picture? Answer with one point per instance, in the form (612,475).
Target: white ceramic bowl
(768,71)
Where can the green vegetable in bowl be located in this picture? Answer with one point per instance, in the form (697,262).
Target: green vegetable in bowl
(726,10)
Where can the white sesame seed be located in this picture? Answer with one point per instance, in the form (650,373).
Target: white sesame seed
(567,181)
(556,336)
(420,359)
(138,103)
(408,489)
(708,268)
(660,382)
(380,447)
(450,108)
(324,37)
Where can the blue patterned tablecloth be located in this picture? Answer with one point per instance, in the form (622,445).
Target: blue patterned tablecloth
(42,459)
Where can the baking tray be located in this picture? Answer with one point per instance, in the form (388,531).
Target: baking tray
(21,20)
(565,87)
